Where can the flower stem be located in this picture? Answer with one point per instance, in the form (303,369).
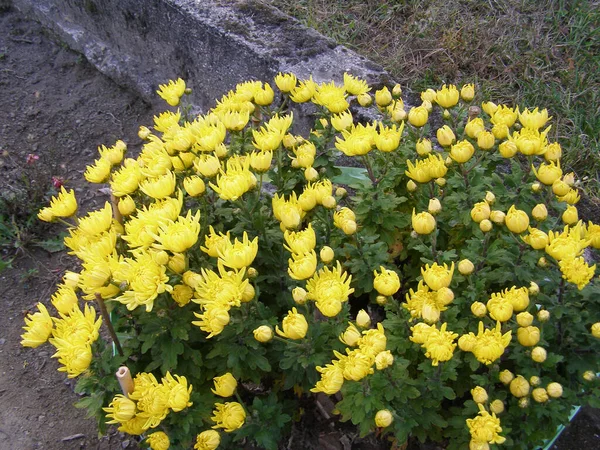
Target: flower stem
(108,323)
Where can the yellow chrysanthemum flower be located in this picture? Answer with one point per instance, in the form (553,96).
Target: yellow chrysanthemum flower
(213,319)
(172,92)
(329,285)
(288,212)
(484,428)
(439,344)
(180,235)
(229,416)
(577,271)
(331,97)
(38,328)
(357,140)
(120,410)
(300,242)
(294,325)
(238,255)
(63,205)
(99,171)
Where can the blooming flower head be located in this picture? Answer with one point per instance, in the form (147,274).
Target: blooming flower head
(213,319)
(387,282)
(485,428)
(448,96)
(439,344)
(304,91)
(238,255)
(215,242)
(548,173)
(179,236)
(230,416)
(329,284)
(357,140)
(288,212)
(38,328)
(120,409)
(225,288)
(354,85)
(63,205)
(534,119)
(577,271)
(331,96)
(568,244)
(332,379)
(489,344)
(387,138)
(529,141)
(302,266)
(300,242)
(172,92)
(424,303)
(437,276)
(235,181)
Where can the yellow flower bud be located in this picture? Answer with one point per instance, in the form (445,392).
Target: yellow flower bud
(126,205)
(362,319)
(485,140)
(225,385)
(340,192)
(444,296)
(479,394)
(158,441)
(480,211)
(500,131)
(177,263)
(534,289)
(555,390)
(542,262)
(524,319)
(364,99)
(386,282)
(477,308)
(427,105)
(311,174)
(384,359)
(540,212)
(465,267)
(485,225)
(528,336)
(397,90)
(349,227)
(208,440)
(434,206)
(506,376)
(467,92)
(523,402)
(350,336)
(383,418)
(428,95)
(539,354)
(423,147)
(543,315)
(519,387)
(264,333)
(595,329)
(418,116)
(448,96)
(182,294)
(194,185)
(423,223)
(497,217)
(489,107)
(411,186)
(441,182)
(535,381)
(560,188)
(398,115)
(383,97)
(381,300)
(445,136)
(462,151)
(248,294)
(326,254)
(588,375)
(540,395)
(144,133)
(570,216)
(516,220)
(329,202)
(474,127)
(553,152)
(497,406)
(446,114)
(508,149)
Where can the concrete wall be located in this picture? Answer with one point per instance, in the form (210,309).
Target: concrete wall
(211,44)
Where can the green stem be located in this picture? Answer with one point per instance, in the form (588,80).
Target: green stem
(277,338)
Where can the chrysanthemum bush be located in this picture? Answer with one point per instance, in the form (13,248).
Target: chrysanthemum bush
(447,298)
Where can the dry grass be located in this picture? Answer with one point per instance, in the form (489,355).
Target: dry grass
(536,53)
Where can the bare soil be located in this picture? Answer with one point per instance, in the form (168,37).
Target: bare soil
(56,106)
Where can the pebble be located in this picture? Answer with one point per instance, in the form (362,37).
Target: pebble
(125,443)
(2,341)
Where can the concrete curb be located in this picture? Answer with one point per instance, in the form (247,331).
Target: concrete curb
(212,44)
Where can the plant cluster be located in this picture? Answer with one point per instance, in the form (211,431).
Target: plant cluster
(448,298)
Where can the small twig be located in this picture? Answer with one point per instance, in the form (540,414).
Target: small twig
(106,318)
(73,437)
(26,41)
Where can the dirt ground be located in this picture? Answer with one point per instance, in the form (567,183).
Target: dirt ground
(54,105)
